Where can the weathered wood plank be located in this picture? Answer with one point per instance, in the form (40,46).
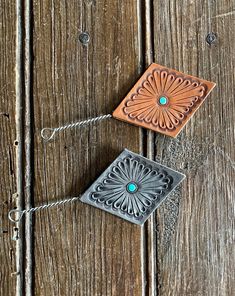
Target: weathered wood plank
(149,135)
(7,148)
(198,258)
(80,250)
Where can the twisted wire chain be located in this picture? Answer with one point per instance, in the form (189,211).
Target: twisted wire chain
(21,213)
(48,133)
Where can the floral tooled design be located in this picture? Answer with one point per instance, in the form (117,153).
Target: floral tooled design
(131,187)
(164,99)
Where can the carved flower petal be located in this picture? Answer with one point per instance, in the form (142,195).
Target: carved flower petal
(149,196)
(120,173)
(110,200)
(105,196)
(104,188)
(108,186)
(174,116)
(164,76)
(157,77)
(155,120)
(167,120)
(134,102)
(176,83)
(157,189)
(152,82)
(139,97)
(187,102)
(130,209)
(109,181)
(162,123)
(144,174)
(144,92)
(116,177)
(140,172)
(136,206)
(127,163)
(169,82)
(152,176)
(136,105)
(180,109)
(139,202)
(149,117)
(133,169)
(125,169)
(155,180)
(144,199)
(118,202)
(182,85)
(189,92)
(135,113)
(149,88)
(145,113)
(125,203)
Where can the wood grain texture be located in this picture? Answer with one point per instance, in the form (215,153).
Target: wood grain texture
(7,147)
(80,250)
(186,249)
(199,258)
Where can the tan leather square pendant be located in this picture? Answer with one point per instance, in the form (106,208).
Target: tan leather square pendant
(163,100)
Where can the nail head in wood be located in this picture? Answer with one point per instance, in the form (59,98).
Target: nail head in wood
(84,38)
(211,38)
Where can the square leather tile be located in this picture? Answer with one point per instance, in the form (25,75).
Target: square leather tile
(132,187)
(163,100)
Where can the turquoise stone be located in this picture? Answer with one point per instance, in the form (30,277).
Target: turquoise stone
(132,187)
(162,100)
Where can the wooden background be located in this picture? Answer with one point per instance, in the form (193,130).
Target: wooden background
(48,78)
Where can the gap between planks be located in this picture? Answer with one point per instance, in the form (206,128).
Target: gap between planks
(24,244)
(19,138)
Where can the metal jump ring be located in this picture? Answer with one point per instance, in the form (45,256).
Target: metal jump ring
(48,133)
(15,212)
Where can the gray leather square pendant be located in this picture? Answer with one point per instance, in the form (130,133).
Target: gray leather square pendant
(132,187)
